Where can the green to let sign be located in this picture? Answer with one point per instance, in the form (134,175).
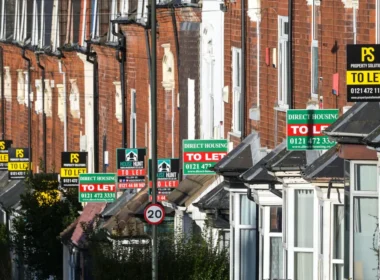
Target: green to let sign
(200,155)
(97,187)
(305,129)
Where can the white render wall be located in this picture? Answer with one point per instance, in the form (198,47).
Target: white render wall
(212,81)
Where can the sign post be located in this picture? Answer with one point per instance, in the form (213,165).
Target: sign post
(305,127)
(363,73)
(97,187)
(200,155)
(131,169)
(73,164)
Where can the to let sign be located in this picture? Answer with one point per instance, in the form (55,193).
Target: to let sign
(167,173)
(363,73)
(73,164)
(4,146)
(97,187)
(305,127)
(131,168)
(18,163)
(200,155)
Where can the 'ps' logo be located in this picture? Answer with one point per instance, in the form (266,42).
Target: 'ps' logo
(74,158)
(19,153)
(368,54)
(2,145)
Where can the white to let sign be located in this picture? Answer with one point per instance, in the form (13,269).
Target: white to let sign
(154,214)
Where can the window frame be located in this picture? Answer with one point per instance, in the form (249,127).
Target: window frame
(283,45)
(358,194)
(334,261)
(236,90)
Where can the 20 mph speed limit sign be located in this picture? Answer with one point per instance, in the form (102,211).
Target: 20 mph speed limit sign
(154,214)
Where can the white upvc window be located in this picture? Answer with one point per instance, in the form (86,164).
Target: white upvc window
(283,63)
(114,13)
(314,50)
(100,18)
(3,25)
(236,87)
(243,236)
(271,248)
(300,260)
(133,123)
(337,259)
(364,209)
(23,20)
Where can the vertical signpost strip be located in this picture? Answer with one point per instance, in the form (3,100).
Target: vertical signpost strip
(153,85)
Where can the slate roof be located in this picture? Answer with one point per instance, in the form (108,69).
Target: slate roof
(328,166)
(359,121)
(218,198)
(190,188)
(10,191)
(88,214)
(291,160)
(258,174)
(241,158)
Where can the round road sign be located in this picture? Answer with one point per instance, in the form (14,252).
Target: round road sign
(154,214)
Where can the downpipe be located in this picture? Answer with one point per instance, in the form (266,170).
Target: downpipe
(64,105)
(43,109)
(2,94)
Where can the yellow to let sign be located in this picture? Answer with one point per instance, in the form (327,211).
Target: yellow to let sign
(363,77)
(72,172)
(17,166)
(3,157)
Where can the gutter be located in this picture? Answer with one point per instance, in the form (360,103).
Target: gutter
(2,93)
(290,55)
(43,108)
(243,73)
(29,115)
(121,57)
(91,57)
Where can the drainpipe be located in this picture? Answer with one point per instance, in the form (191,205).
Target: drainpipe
(91,57)
(258,60)
(43,108)
(290,54)
(243,86)
(121,55)
(2,94)
(64,106)
(29,115)
(354,21)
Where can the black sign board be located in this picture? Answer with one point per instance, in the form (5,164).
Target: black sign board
(131,169)
(4,146)
(167,173)
(18,163)
(363,73)
(73,164)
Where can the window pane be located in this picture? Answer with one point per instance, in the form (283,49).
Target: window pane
(276,258)
(338,238)
(365,233)
(232,210)
(338,272)
(303,266)
(247,254)
(365,177)
(276,219)
(315,69)
(304,206)
(247,211)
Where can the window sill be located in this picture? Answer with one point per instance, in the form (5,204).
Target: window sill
(235,134)
(282,108)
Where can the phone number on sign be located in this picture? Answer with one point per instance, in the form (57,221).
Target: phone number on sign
(310,141)
(196,166)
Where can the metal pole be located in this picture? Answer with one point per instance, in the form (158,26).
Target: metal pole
(153,86)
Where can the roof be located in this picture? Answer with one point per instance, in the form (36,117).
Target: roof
(328,166)
(259,173)
(112,208)
(88,214)
(241,158)
(123,222)
(216,199)
(190,188)
(286,160)
(67,233)
(359,121)
(10,190)
(373,139)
